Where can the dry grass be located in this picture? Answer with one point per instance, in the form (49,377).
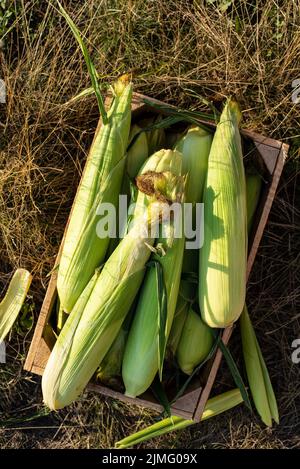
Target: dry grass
(251,51)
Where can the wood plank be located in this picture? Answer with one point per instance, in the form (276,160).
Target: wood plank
(267,207)
(211,377)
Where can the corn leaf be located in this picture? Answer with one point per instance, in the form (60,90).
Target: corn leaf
(161,396)
(162,301)
(214,407)
(88,60)
(192,117)
(257,373)
(233,369)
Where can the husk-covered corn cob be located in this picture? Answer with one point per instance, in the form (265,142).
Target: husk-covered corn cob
(180,315)
(195,147)
(195,342)
(91,328)
(194,330)
(143,338)
(83,248)
(13,300)
(223,257)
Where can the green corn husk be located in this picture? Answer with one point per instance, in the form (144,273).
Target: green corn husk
(214,406)
(186,297)
(83,250)
(51,386)
(91,329)
(223,257)
(195,343)
(143,339)
(111,366)
(196,338)
(253,188)
(257,373)
(13,300)
(195,147)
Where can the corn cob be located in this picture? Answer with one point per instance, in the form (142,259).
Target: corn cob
(143,338)
(214,406)
(223,257)
(195,342)
(83,250)
(13,301)
(196,338)
(90,330)
(194,146)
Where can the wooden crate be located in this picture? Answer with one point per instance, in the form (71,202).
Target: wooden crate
(191,405)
